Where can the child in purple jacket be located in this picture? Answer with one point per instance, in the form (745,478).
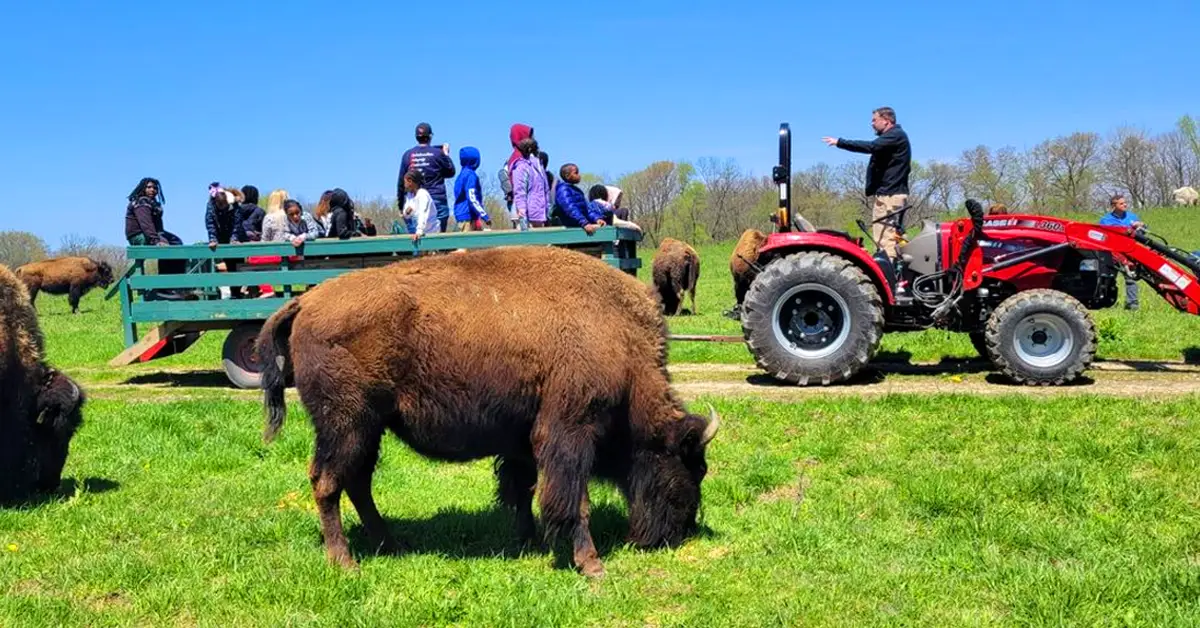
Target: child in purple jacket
(531,191)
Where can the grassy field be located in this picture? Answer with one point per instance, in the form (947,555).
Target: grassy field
(835,510)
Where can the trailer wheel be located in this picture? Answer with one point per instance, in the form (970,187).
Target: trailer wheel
(1041,338)
(239,357)
(812,317)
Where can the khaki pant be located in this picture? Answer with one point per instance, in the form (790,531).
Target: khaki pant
(886,235)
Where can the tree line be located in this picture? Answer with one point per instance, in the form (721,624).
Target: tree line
(714,200)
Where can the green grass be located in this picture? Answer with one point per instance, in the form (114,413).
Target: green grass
(835,511)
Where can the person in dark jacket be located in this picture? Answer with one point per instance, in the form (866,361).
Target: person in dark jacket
(144,227)
(341,211)
(248,219)
(219,216)
(887,171)
(570,204)
(435,165)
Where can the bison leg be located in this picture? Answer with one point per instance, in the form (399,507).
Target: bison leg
(516,480)
(73,297)
(565,464)
(33,292)
(345,452)
(359,490)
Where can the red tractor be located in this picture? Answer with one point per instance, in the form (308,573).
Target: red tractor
(1020,285)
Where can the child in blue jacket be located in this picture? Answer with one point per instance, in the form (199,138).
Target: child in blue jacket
(469,211)
(571,205)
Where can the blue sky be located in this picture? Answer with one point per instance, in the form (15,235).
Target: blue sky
(309,96)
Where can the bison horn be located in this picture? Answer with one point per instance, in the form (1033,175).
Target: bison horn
(714,423)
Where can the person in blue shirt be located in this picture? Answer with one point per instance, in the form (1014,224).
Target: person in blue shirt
(1120,216)
(469,212)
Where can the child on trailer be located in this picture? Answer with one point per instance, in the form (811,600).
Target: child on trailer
(469,212)
(418,205)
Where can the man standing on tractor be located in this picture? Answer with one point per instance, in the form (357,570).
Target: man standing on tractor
(887,172)
(1120,216)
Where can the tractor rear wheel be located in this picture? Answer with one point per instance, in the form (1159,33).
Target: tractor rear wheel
(812,317)
(1041,338)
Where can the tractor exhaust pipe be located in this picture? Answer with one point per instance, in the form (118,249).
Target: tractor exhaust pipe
(782,175)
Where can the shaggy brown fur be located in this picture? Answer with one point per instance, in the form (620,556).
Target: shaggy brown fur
(745,255)
(72,276)
(549,360)
(676,270)
(39,407)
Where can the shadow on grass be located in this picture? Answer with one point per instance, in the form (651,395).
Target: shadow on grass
(1000,379)
(68,488)
(458,533)
(189,379)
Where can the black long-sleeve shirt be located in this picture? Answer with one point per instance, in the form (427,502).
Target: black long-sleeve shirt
(890,164)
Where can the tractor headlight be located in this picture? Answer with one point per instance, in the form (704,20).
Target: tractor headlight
(1089,265)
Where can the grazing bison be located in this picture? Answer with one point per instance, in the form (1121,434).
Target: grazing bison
(743,261)
(72,276)
(1187,196)
(675,271)
(39,407)
(548,360)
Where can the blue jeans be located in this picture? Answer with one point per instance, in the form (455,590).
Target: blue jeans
(443,213)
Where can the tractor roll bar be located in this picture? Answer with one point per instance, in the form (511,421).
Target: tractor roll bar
(782,175)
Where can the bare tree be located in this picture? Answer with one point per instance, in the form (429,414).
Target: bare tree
(20,247)
(850,180)
(1129,162)
(1071,165)
(943,185)
(1035,179)
(724,183)
(649,194)
(74,244)
(990,176)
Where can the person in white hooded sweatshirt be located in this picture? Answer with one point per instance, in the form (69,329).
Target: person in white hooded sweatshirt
(418,205)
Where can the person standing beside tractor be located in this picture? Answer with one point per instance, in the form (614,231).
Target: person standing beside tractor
(1120,216)
(887,172)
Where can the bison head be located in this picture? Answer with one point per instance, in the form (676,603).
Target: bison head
(104,271)
(664,483)
(59,413)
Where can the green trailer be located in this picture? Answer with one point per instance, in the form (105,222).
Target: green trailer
(175,325)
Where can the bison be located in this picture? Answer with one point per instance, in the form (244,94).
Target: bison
(743,263)
(675,271)
(72,276)
(548,360)
(40,408)
(1187,196)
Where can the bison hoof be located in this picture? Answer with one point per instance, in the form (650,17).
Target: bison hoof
(343,560)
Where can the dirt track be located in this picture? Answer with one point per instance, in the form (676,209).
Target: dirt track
(1148,380)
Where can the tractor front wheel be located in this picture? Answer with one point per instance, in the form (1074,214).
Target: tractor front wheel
(812,318)
(1041,338)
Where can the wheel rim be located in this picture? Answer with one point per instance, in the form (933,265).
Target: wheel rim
(811,321)
(244,354)
(1043,340)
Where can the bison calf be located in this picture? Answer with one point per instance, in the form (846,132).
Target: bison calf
(72,276)
(549,360)
(675,271)
(39,407)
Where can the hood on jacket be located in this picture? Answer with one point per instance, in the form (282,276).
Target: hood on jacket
(517,133)
(468,157)
(614,193)
(340,199)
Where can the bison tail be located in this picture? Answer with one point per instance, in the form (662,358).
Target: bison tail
(274,349)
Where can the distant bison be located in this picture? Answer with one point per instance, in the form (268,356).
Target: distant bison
(39,407)
(675,271)
(72,276)
(564,383)
(743,261)
(1187,196)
